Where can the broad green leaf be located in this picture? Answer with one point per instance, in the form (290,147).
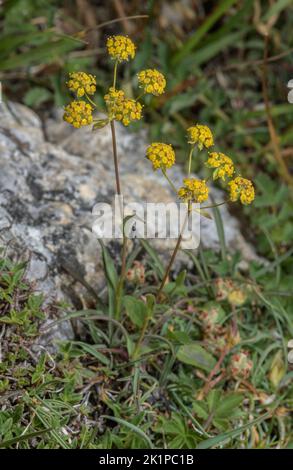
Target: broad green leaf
(135,309)
(194,355)
(200,409)
(227,405)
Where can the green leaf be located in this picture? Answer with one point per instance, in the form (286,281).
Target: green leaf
(109,266)
(227,405)
(200,409)
(213,399)
(136,310)
(200,32)
(150,303)
(23,437)
(100,123)
(90,349)
(180,279)
(213,441)
(132,427)
(46,53)
(40,369)
(194,355)
(180,337)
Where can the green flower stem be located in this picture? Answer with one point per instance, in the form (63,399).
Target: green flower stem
(214,205)
(168,269)
(119,288)
(115,155)
(140,96)
(169,181)
(190,160)
(115,74)
(90,100)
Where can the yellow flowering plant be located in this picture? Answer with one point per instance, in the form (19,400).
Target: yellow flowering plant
(118,107)
(121,108)
(194,190)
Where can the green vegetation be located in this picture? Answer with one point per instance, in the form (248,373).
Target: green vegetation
(175,389)
(211,367)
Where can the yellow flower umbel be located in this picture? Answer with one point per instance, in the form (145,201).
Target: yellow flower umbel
(243,189)
(223,165)
(121,108)
(82,83)
(200,135)
(120,48)
(194,190)
(78,113)
(161,155)
(152,81)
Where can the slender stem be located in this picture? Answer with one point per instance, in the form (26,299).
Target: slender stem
(190,160)
(214,205)
(115,74)
(115,155)
(214,371)
(119,288)
(91,101)
(169,181)
(140,96)
(167,272)
(177,246)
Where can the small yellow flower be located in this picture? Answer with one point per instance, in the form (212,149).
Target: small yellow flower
(122,109)
(120,48)
(223,165)
(81,83)
(78,114)
(152,81)
(200,135)
(194,190)
(161,155)
(243,188)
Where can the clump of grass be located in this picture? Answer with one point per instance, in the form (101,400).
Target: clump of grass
(212,371)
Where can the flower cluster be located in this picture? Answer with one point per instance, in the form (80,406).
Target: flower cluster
(120,108)
(136,274)
(200,135)
(120,48)
(193,190)
(241,188)
(82,83)
(212,317)
(126,110)
(152,81)
(223,165)
(161,155)
(241,365)
(78,113)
